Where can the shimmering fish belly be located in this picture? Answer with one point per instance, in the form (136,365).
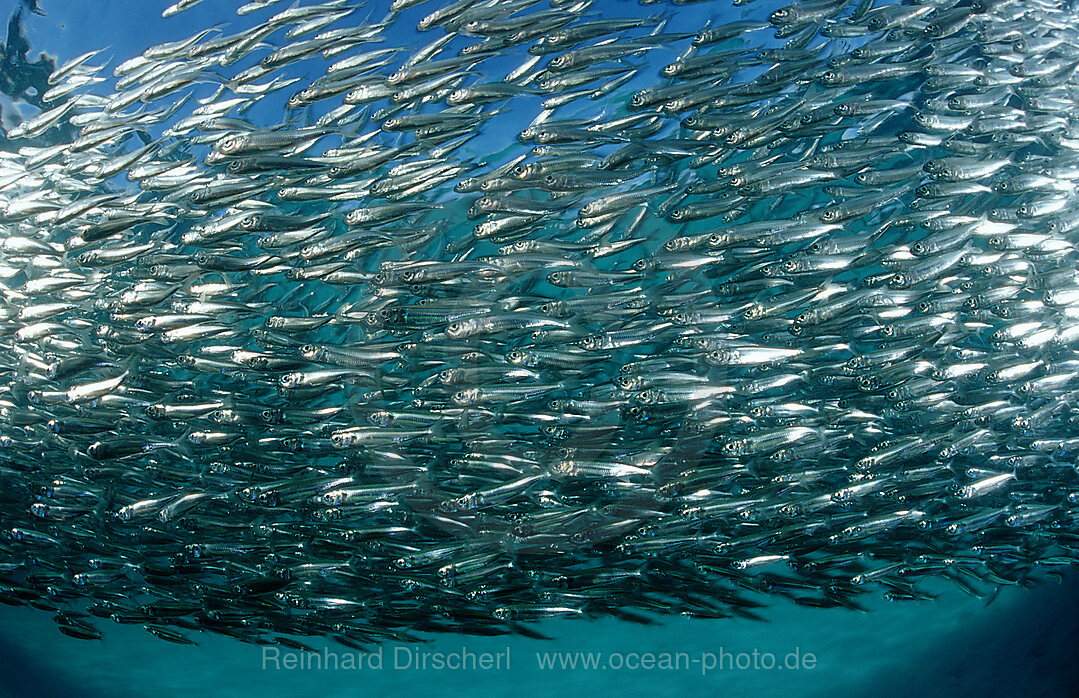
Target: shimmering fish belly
(317,324)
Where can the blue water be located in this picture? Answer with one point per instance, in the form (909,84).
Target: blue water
(1024,643)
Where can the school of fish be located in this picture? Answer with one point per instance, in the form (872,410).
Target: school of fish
(786,304)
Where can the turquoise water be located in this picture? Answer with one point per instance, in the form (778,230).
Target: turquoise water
(1022,644)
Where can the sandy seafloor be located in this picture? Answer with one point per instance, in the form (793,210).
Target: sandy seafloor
(1024,645)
